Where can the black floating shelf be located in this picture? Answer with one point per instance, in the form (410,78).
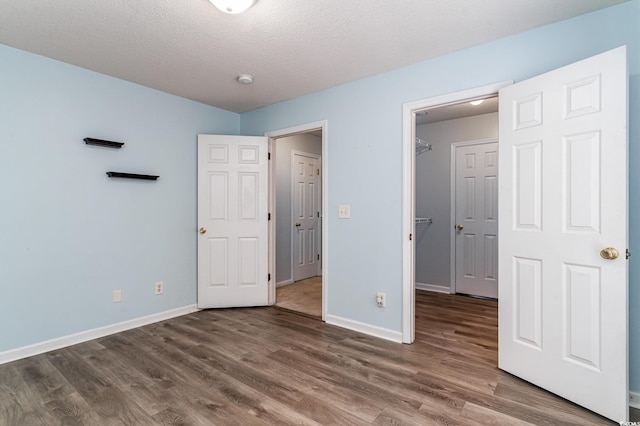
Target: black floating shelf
(101,142)
(131,176)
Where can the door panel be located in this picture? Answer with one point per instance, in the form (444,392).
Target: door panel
(232,217)
(563,198)
(476,211)
(306,211)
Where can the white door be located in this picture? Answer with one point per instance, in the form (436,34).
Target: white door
(305,178)
(232,221)
(476,219)
(563,200)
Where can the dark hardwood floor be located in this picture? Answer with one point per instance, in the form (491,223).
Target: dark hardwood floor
(268,366)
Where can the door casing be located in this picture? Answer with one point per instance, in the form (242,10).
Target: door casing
(409,192)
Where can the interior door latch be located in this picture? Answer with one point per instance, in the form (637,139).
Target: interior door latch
(628,254)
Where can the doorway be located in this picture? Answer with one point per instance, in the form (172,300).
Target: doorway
(412,121)
(456,198)
(297,228)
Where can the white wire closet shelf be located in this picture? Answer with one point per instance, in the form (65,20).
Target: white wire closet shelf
(422,146)
(420,220)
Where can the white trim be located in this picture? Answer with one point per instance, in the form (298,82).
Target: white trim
(452,208)
(433,287)
(408,192)
(285,282)
(304,128)
(408,222)
(272,223)
(84,336)
(634,400)
(361,327)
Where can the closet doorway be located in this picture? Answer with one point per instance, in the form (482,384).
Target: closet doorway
(297,217)
(456,198)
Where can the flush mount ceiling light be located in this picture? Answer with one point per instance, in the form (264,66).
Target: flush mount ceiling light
(233,6)
(476,103)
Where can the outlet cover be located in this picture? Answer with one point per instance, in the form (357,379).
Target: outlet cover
(159,288)
(117,296)
(344,211)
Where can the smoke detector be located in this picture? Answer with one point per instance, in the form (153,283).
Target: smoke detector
(245,78)
(233,7)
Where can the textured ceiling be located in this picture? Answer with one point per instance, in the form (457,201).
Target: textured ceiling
(292,47)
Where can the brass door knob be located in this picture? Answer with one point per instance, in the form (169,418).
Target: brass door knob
(609,253)
(298,224)
(203,230)
(459,227)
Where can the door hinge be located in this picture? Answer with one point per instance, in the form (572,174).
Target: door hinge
(268,216)
(318,214)
(410,237)
(268,156)
(318,257)
(628,254)
(318,172)
(268,277)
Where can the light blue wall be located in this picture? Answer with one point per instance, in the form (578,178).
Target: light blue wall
(69,236)
(365,155)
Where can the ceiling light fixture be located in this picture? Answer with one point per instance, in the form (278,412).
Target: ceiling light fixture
(476,103)
(233,6)
(245,78)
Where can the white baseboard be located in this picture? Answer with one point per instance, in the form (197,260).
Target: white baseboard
(83,336)
(283,283)
(433,287)
(372,330)
(634,400)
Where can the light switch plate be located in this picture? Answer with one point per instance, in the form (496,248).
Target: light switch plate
(344,211)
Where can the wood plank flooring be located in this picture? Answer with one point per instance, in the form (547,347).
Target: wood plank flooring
(304,297)
(264,366)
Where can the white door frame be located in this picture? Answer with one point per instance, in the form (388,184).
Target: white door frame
(409,192)
(273,137)
(452,192)
(319,200)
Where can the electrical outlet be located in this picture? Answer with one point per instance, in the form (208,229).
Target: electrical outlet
(381,300)
(159,288)
(117,296)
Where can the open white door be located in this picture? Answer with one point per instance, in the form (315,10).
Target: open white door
(562,203)
(232,221)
